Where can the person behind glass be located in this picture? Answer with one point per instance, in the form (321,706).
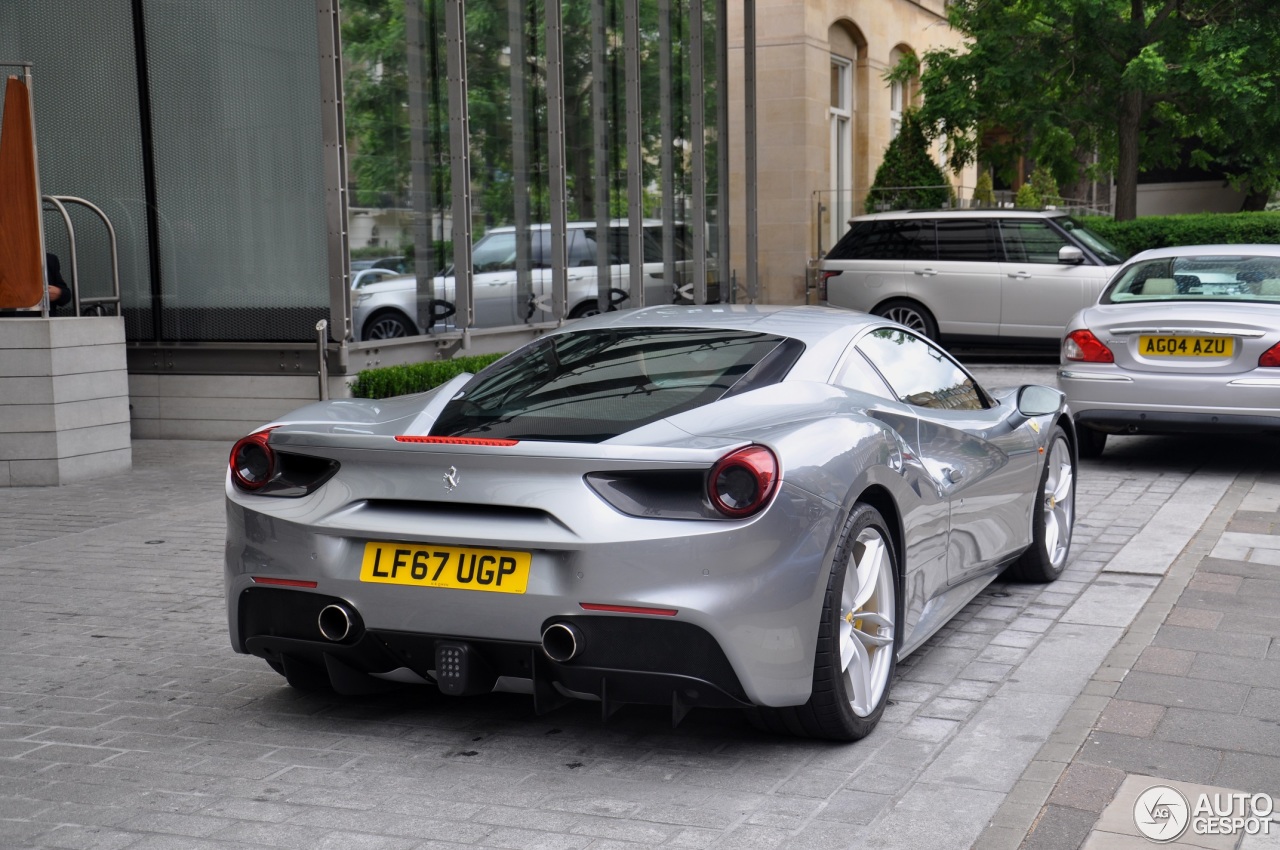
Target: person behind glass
(59,289)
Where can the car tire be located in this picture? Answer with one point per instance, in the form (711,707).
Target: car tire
(909,313)
(586,308)
(1052,516)
(387,324)
(855,657)
(1090,442)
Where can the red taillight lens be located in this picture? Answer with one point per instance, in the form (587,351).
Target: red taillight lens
(826,275)
(1083,345)
(253,463)
(742,482)
(1270,357)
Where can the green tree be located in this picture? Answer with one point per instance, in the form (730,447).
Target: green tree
(984,194)
(1027,198)
(908,178)
(1138,83)
(1045,186)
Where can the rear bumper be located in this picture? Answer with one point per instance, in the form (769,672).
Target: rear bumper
(620,660)
(1119,401)
(1174,422)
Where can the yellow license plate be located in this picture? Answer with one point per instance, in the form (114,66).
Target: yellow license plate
(1186,346)
(463,568)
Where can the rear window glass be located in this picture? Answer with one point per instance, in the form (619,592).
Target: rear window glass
(887,239)
(1198,278)
(590,386)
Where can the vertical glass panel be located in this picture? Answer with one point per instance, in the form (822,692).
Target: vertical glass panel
(88,138)
(509,154)
(238,151)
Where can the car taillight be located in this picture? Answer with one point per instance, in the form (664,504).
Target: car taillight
(1270,357)
(741,482)
(826,275)
(1083,345)
(253,463)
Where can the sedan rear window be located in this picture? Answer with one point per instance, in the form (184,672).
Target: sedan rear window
(1198,278)
(590,386)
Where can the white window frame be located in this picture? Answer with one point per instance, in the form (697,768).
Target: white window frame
(841,118)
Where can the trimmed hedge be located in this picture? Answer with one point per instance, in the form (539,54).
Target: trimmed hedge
(388,381)
(1164,231)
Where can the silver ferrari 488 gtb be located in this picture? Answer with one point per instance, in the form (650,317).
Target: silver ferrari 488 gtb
(729,506)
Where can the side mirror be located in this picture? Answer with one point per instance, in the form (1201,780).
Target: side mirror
(1070,255)
(1037,400)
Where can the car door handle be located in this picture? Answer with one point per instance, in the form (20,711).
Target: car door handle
(1020,275)
(926,272)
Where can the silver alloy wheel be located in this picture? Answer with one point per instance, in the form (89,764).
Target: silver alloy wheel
(908,316)
(867,610)
(1059,502)
(387,327)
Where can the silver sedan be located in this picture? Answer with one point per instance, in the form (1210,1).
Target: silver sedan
(1182,340)
(749,507)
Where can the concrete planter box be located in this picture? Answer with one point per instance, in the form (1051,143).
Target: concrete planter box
(64,400)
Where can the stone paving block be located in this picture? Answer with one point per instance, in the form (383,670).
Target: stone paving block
(931,815)
(1086,786)
(1217,642)
(1173,691)
(1152,757)
(1060,828)
(1194,618)
(1229,731)
(1130,718)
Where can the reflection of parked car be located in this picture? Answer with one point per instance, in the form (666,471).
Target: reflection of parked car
(747,507)
(388,308)
(1184,340)
(962,275)
(399,265)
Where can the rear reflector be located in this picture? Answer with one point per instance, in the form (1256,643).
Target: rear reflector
(283,582)
(628,609)
(456,441)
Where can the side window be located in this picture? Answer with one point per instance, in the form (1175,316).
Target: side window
(582,249)
(892,239)
(1030,241)
(971,241)
(858,374)
(540,256)
(494,253)
(919,373)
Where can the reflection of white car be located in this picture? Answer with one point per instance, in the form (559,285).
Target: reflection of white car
(387,308)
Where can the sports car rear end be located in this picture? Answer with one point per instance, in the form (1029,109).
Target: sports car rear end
(571,549)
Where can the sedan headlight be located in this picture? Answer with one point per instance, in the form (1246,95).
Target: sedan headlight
(362,298)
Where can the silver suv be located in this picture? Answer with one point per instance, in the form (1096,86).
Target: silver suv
(970,275)
(386,308)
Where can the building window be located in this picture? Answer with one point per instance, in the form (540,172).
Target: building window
(841,115)
(897,95)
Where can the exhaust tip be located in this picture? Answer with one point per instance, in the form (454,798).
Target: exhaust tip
(335,622)
(561,642)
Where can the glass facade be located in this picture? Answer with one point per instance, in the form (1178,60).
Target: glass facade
(200,129)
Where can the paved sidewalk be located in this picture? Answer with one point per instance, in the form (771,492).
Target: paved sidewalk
(1188,700)
(126,722)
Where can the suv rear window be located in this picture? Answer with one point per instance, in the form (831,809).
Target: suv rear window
(590,386)
(887,239)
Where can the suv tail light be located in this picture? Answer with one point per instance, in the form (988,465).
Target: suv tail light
(1270,357)
(826,275)
(741,482)
(1083,345)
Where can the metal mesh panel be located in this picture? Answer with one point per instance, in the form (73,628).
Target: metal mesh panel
(237,138)
(88,135)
